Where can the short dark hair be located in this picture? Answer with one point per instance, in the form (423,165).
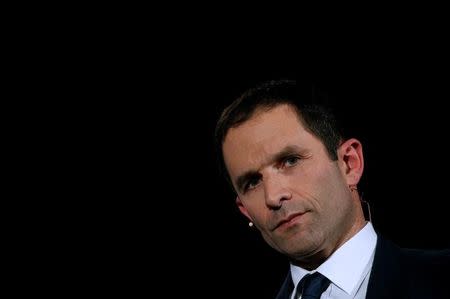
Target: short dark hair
(309,101)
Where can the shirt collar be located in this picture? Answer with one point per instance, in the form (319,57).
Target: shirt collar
(346,266)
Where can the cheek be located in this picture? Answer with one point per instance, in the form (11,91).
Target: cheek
(327,188)
(310,182)
(256,210)
(335,198)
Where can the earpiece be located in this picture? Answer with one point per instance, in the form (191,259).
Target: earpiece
(365,204)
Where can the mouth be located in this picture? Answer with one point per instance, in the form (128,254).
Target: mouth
(288,221)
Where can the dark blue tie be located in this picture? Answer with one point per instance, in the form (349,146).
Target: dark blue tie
(312,286)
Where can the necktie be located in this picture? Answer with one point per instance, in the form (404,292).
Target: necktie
(312,286)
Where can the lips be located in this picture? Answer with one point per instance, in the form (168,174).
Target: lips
(287,219)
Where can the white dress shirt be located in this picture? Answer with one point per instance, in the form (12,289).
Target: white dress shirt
(348,268)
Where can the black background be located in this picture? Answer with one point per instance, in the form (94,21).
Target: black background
(115,182)
(399,121)
(141,207)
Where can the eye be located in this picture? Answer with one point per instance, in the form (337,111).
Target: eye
(290,161)
(251,184)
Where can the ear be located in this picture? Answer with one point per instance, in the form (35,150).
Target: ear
(242,208)
(350,154)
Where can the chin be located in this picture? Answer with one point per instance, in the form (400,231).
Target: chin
(295,249)
(299,248)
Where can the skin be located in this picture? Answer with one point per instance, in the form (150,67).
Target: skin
(281,171)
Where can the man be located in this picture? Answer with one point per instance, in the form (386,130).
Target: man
(296,179)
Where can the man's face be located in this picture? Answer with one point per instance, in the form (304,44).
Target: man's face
(287,185)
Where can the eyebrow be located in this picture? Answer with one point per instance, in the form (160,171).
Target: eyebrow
(250,174)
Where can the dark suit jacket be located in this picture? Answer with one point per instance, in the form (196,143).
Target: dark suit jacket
(401,273)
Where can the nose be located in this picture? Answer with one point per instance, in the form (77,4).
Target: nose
(275,191)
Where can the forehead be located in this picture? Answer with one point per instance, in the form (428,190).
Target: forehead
(264,124)
(264,134)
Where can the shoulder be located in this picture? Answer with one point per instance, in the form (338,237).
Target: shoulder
(426,264)
(419,272)
(412,256)
(426,255)
(427,272)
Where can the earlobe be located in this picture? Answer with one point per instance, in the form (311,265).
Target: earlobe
(351,154)
(242,208)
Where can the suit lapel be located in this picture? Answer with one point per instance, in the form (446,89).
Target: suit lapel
(286,288)
(386,278)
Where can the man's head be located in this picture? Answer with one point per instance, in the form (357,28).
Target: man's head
(308,101)
(291,170)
